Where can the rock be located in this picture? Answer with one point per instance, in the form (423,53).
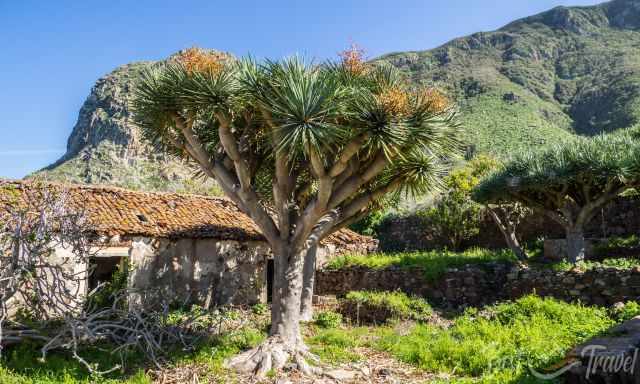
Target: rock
(106,147)
(341,375)
(510,97)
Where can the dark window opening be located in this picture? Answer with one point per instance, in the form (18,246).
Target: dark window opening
(270,276)
(103,270)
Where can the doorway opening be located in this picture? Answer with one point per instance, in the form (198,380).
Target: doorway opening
(270,277)
(103,270)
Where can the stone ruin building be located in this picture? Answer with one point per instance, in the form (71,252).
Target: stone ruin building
(182,248)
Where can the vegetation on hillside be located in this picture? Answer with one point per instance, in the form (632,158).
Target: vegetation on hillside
(538,80)
(532,83)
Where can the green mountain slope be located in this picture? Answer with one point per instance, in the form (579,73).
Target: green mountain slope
(537,80)
(542,78)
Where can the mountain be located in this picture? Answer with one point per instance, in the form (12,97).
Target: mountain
(541,79)
(570,70)
(105,147)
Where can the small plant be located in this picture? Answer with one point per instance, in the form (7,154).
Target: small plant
(259,309)
(381,306)
(328,319)
(105,296)
(626,311)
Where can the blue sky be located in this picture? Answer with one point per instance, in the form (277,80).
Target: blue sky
(51,52)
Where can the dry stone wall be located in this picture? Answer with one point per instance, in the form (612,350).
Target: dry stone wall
(477,285)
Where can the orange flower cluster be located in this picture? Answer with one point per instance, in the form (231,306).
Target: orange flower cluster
(435,100)
(353,60)
(395,101)
(197,60)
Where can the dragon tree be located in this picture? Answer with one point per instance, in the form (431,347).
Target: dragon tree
(569,182)
(303,149)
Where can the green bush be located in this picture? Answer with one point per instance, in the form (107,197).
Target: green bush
(455,217)
(328,319)
(397,304)
(625,312)
(259,309)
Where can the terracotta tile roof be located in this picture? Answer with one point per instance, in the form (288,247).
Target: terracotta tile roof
(120,212)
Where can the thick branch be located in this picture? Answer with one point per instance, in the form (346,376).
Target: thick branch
(347,153)
(246,199)
(355,182)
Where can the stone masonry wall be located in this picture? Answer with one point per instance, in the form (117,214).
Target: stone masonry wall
(477,285)
(202,271)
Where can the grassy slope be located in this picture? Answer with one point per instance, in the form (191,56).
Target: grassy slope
(537,80)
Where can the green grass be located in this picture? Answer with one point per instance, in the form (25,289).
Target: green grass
(397,303)
(528,332)
(493,346)
(434,263)
(21,365)
(335,346)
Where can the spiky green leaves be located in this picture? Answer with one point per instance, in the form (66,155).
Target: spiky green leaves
(417,173)
(303,104)
(584,166)
(333,113)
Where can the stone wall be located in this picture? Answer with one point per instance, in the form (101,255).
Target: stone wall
(202,271)
(477,285)
(63,295)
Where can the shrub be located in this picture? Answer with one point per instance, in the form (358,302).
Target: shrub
(626,311)
(455,217)
(379,307)
(328,319)
(259,309)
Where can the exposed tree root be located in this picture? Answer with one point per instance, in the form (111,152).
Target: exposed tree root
(274,353)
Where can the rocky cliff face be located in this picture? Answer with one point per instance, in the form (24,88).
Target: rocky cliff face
(538,80)
(105,147)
